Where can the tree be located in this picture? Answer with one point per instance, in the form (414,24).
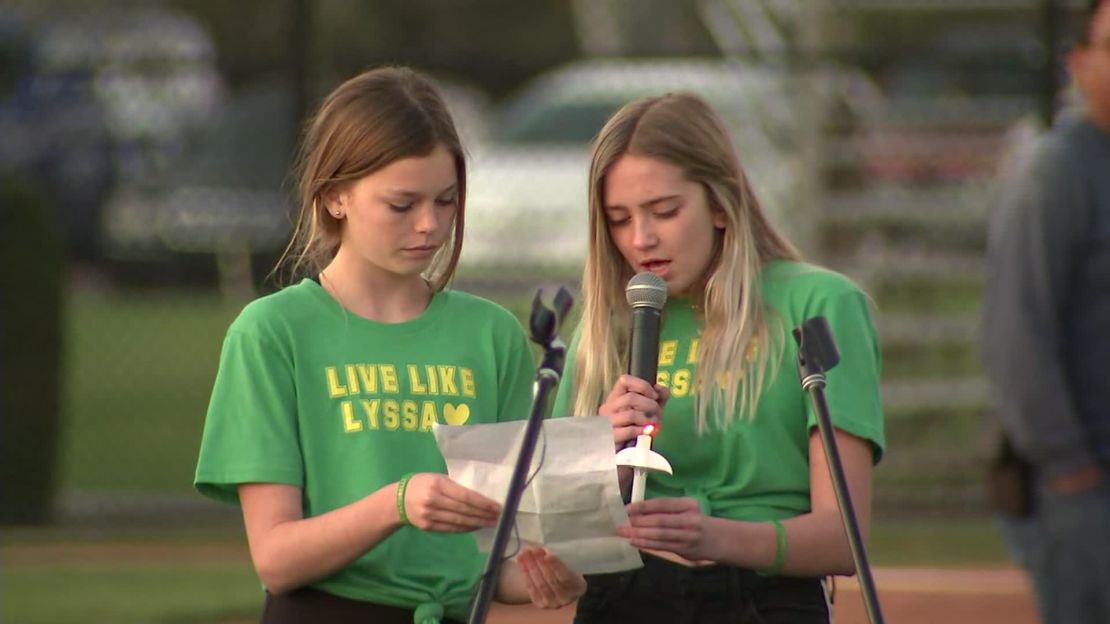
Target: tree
(31,270)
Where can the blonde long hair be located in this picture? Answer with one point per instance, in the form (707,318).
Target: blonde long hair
(683,130)
(378,117)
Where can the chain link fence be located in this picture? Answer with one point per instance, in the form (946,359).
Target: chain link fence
(881,167)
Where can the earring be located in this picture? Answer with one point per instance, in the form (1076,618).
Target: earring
(337,214)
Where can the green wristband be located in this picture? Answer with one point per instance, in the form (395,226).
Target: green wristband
(780,550)
(402,485)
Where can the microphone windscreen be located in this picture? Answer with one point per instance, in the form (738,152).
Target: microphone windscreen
(646,290)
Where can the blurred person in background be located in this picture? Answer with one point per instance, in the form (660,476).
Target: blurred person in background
(1046,343)
(748,525)
(320,420)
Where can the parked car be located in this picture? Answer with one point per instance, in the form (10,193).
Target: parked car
(99,103)
(231,188)
(225,191)
(55,135)
(527,194)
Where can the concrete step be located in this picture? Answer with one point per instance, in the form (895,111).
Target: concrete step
(967,202)
(904,395)
(877,260)
(929,329)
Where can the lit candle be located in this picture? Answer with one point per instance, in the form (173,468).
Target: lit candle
(639,473)
(642,460)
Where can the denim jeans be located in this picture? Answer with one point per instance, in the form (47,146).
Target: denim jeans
(1065,546)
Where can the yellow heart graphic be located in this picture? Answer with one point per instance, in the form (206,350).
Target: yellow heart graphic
(456,415)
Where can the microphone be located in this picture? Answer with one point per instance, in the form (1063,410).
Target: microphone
(646,293)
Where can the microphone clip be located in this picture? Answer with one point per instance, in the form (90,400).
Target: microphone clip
(543,328)
(817,351)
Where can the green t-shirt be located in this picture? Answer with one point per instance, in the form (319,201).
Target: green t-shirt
(758,469)
(310,395)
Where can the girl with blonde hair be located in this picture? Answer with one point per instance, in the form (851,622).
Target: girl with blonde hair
(748,524)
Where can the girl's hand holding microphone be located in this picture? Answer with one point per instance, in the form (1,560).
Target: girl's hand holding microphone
(631,405)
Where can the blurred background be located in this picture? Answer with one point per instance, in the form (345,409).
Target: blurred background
(145,149)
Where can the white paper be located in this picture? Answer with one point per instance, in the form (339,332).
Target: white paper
(572,505)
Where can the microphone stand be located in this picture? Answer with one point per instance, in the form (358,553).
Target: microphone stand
(543,325)
(817,353)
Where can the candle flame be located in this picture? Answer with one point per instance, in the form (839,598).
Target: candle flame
(650,430)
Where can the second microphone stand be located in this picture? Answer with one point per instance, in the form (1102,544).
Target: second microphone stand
(817,353)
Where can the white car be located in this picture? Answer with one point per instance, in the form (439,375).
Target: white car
(527,186)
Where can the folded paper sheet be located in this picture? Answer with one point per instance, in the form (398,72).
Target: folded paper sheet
(572,505)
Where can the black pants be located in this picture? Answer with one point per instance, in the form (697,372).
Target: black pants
(309,606)
(668,593)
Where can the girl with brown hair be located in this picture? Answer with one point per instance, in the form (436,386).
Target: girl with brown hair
(320,419)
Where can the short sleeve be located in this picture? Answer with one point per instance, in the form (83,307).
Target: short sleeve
(517,374)
(251,431)
(564,398)
(852,392)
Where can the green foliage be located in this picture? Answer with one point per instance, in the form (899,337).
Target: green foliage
(494,43)
(30,278)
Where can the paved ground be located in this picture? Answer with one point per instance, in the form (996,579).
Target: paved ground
(906,596)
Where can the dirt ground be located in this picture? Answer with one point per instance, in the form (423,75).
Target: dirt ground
(906,596)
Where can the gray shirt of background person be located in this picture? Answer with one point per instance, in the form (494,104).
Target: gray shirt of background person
(1046,331)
